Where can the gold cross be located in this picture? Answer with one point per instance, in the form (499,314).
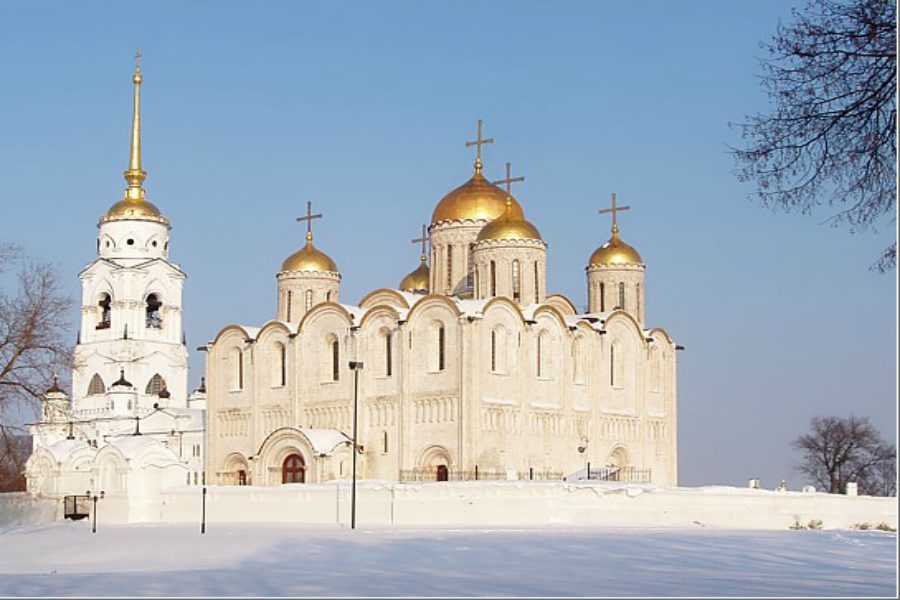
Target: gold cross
(137,61)
(614,210)
(509,179)
(423,239)
(478,143)
(309,219)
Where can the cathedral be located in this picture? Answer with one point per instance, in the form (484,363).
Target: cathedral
(129,424)
(467,370)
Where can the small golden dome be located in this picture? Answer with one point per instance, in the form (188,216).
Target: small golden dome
(509,227)
(309,258)
(129,208)
(417,280)
(615,252)
(476,199)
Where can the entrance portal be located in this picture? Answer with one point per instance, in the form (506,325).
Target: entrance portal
(443,474)
(293,469)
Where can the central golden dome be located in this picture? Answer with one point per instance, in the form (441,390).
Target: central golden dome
(476,199)
(615,252)
(309,258)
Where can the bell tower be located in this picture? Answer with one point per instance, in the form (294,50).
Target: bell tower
(131,310)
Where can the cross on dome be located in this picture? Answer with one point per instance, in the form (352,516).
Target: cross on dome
(423,240)
(614,209)
(478,143)
(309,219)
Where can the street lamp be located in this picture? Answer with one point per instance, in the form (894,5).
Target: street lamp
(355,366)
(95,497)
(581,450)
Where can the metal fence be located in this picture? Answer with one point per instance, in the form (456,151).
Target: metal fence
(76,507)
(623,474)
(430,474)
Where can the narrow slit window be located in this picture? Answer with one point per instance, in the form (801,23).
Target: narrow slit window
(309,299)
(335,361)
(494,351)
(517,281)
(105,304)
(441,340)
(602,297)
(493,278)
(388,358)
(621,296)
(449,268)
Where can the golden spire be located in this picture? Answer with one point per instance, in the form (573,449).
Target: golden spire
(135,176)
(423,240)
(614,210)
(478,143)
(309,219)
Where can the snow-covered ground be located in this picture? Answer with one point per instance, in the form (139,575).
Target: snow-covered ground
(66,559)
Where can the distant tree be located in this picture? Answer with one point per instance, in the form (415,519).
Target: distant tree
(831,135)
(32,346)
(15,449)
(836,451)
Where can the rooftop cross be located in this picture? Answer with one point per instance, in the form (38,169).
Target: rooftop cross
(137,61)
(309,219)
(478,143)
(614,210)
(509,179)
(423,239)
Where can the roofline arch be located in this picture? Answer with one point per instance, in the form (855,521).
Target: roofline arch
(324,307)
(567,301)
(431,299)
(281,431)
(232,327)
(389,291)
(662,331)
(553,311)
(378,309)
(621,313)
(507,302)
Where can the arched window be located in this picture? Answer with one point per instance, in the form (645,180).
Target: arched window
(289,298)
(471,266)
(537,284)
(493,278)
(441,342)
(309,299)
(279,364)
(155,385)
(621,296)
(449,268)
(236,369)
(154,315)
(293,469)
(105,312)
(328,296)
(96,386)
(388,354)
(516,281)
(612,365)
(384,441)
(602,297)
(494,351)
(335,360)
(477,286)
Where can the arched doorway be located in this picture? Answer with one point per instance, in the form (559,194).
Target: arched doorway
(443,473)
(242,477)
(293,469)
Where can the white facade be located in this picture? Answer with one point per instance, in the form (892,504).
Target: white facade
(128,426)
(485,377)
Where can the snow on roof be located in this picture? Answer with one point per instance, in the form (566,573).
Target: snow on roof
(503,401)
(471,308)
(63,449)
(324,441)
(356,312)
(131,445)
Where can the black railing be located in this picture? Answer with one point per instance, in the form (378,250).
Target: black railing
(622,474)
(76,507)
(432,474)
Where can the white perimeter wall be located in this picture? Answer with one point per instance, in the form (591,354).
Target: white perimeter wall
(508,504)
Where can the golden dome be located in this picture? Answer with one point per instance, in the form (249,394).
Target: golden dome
(129,208)
(615,252)
(417,280)
(309,258)
(509,227)
(476,199)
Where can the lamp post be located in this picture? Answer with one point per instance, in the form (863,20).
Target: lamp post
(581,450)
(95,497)
(355,366)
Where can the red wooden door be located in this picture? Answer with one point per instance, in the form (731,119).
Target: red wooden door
(293,469)
(442,473)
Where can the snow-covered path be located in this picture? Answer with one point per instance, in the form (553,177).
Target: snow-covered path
(275,560)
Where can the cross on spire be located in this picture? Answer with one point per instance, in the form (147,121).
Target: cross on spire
(137,61)
(423,239)
(478,143)
(509,179)
(309,219)
(614,209)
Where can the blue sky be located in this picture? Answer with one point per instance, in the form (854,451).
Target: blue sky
(250,109)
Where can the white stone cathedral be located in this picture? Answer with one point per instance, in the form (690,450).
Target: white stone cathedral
(469,369)
(129,426)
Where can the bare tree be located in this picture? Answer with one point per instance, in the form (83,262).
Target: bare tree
(837,451)
(32,347)
(831,135)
